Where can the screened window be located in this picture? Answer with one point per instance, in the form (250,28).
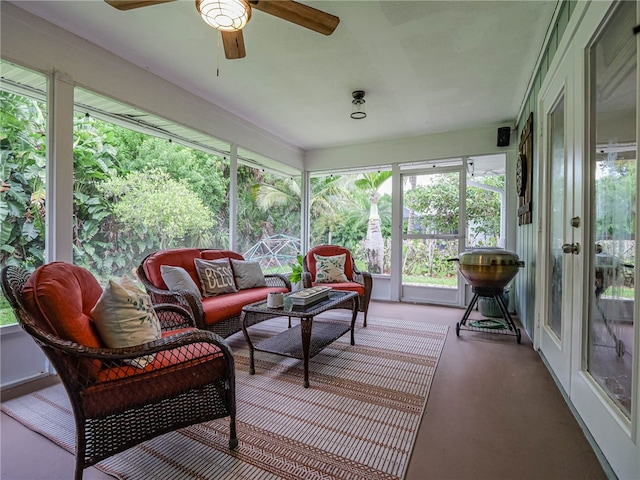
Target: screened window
(353,210)
(23,159)
(136,193)
(268,226)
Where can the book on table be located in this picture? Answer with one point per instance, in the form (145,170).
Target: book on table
(309,296)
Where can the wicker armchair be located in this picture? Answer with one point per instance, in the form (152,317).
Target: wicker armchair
(360,282)
(191,377)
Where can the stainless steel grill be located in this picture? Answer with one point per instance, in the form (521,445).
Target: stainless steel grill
(488,271)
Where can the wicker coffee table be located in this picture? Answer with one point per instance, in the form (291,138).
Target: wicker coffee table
(300,341)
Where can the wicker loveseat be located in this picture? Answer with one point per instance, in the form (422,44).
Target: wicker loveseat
(118,402)
(219,314)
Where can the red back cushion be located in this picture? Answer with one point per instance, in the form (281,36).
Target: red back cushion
(60,297)
(178,257)
(181,257)
(216,254)
(329,251)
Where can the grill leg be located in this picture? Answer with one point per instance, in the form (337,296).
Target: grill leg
(469,308)
(507,315)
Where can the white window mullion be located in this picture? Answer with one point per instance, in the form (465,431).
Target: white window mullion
(59,220)
(305,226)
(396,233)
(233,198)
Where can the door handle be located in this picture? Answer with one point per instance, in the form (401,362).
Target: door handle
(573,248)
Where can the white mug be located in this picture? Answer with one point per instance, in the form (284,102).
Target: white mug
(275,300)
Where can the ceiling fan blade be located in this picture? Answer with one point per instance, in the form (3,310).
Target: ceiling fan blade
(131,4)
(300,14)
(233,43)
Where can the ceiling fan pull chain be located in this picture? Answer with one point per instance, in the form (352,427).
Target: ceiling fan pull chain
(218,36)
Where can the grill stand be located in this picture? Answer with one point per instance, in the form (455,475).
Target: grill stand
(495,293)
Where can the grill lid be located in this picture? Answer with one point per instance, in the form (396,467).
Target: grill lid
(489,257)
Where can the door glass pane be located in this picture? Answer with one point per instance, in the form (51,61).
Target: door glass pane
(431,215)
(613,169)
(425,262)
(557,214)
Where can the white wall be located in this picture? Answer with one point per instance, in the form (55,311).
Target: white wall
(477,141)
(21,360)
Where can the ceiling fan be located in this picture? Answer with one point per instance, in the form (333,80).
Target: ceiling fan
(230,16)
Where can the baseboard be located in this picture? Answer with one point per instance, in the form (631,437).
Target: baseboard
(25,388)
(585,430)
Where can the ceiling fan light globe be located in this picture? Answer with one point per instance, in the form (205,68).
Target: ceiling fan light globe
(225,15)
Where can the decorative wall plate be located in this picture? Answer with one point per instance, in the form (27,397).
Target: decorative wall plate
(521,175)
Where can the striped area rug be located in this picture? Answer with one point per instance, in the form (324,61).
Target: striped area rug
(358,420)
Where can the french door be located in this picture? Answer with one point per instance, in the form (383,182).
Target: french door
(587,306)
(561,247)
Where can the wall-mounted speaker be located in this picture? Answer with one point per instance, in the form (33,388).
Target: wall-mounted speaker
(503,136)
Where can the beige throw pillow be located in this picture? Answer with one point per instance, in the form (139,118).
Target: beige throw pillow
(216,276)
(330,269)
(247,274)
(124,317)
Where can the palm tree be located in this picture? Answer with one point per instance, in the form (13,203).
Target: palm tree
(374,243)
(328,196)
(412,180)
(268,196)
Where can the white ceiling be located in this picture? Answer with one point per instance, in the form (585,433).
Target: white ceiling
(426,66)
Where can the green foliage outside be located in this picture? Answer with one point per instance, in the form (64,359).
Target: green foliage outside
(144,200)
(133,194)
(615,196)
(267,205)
(615,215)
(615,218)
(22,162)
(6,313)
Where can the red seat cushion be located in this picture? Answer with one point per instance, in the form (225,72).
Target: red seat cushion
(171,372)
(230,305)
(161,360)
(59,296)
